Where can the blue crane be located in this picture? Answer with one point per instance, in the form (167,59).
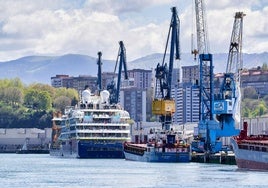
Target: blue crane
(212,123)
(227,102)
(206,118)
(111,87)
(164,105)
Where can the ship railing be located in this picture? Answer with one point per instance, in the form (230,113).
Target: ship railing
(261,148)
(102,124)
(103,138)
(251,142)
(101,131)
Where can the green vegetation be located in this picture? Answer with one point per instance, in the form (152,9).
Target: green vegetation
(253,104)
(31,106)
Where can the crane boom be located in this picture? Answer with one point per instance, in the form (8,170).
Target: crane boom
(234,63)
(201,28)
(174,44)
(122,62)
(121,58)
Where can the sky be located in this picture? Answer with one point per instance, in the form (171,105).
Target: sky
(58,27)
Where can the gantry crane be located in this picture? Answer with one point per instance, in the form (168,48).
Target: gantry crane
(210,129)
(163,104)
(99,63)
(206,86)
(111,87)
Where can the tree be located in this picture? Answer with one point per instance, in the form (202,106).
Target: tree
(31,98)
(250,92)
(43,87)
(264,67)
(68,92)
(61,102)
(11,91)
(31,106)
(65,97)
(16,82)
(44,101)
(265,98)
(254,107)
(246,112)
(260,110)
(13,96)
(38,100)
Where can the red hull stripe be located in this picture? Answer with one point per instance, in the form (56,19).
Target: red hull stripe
(242,163)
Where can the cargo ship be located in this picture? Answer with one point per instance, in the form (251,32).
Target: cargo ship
(161,147)
(251,152)
(95,129)
(165,146)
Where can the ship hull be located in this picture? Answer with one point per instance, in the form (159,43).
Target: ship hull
(249,164)
(89,149)
(100,150)
(149,153)
(33,151)
(158,157)
(250,159)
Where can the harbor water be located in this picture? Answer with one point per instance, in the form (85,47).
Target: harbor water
(33,170)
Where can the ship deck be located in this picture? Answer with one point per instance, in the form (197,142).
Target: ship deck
(254,142)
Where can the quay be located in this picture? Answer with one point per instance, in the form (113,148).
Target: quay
(218,158)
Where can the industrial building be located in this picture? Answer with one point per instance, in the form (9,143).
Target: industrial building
(12,140)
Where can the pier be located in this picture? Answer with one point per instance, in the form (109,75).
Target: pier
(218,158)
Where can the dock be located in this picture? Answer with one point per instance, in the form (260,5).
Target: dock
(218,158)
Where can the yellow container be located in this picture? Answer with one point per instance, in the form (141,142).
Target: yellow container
(163,107)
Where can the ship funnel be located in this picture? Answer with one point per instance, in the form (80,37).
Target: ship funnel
(105,94)
(86,96)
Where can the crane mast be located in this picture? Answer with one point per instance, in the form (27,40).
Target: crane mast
(99,63)
(205,65)
(164,105)
(112,88)
(204,135)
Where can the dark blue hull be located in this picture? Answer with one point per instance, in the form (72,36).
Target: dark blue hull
(89,149)
(100,150)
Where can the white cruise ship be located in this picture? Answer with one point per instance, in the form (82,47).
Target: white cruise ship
(95,129)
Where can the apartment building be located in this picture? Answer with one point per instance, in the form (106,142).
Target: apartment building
(134,101)
(77,83)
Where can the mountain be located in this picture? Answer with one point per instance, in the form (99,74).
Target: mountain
(219,61)
(40,69)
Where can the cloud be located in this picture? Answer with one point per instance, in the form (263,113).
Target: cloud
(123,6)
(52,30)
(220,18)
(56,27)
(60,31)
